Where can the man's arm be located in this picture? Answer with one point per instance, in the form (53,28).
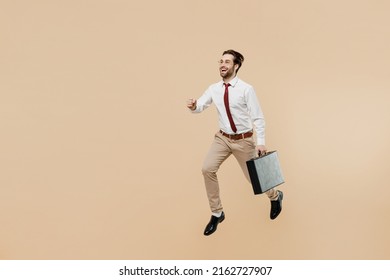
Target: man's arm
(257,118)
(197,106)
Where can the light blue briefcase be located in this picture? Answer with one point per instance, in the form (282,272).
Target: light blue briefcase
(265,172)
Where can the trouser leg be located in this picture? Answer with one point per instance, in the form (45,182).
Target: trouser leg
(217,154)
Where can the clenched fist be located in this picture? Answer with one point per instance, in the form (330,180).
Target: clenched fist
(191,104)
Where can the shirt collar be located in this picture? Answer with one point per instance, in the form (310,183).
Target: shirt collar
(232,83)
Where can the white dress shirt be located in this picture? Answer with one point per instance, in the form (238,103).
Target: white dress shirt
(244,108)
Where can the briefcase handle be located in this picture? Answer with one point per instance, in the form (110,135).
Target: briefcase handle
(266,153)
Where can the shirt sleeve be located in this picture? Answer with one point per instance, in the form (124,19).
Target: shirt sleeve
(203,102)
(256,115)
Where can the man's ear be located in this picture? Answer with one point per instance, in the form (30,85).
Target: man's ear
(235,67)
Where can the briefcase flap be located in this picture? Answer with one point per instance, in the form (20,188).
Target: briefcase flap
(265,172)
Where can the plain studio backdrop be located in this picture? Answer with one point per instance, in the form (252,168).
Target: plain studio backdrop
(100,158)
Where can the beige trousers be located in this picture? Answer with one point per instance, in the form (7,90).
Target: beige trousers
(221,148)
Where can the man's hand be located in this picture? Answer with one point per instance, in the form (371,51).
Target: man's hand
(261,150)
(191,104)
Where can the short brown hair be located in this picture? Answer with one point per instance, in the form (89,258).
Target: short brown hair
(238,58)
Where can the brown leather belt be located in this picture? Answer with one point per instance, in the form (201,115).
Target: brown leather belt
(237,136)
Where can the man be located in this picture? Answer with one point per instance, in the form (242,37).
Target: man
(239,115)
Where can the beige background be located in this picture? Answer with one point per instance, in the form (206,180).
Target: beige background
(100,159)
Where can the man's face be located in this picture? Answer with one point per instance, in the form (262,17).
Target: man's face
(227,69)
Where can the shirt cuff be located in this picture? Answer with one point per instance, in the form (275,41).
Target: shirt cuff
(197,110)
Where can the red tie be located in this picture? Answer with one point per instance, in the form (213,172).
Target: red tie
(226,100)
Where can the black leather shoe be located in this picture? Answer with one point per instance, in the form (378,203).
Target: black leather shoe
(276,206)
(212,225)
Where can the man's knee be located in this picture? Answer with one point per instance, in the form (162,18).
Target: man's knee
(208,170)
